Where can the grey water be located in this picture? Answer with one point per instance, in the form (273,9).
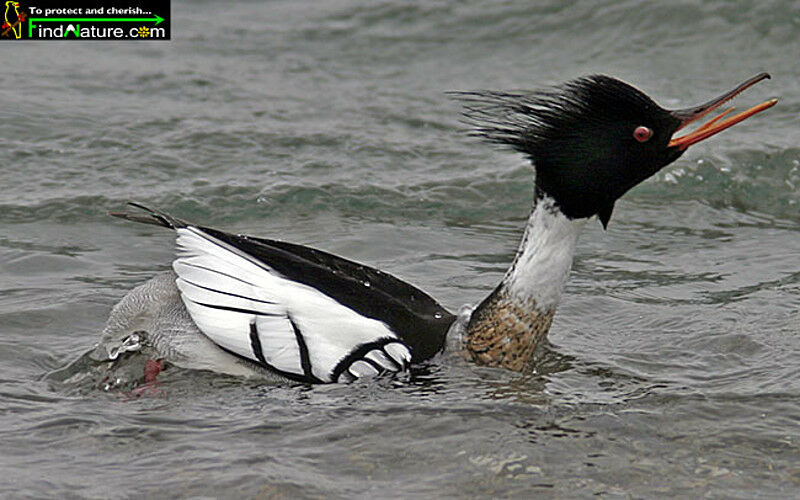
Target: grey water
(675,363)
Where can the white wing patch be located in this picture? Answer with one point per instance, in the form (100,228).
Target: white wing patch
(247,308)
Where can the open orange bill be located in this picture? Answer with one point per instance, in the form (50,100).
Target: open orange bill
(716,125)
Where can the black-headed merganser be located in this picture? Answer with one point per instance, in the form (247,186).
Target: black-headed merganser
(310,316)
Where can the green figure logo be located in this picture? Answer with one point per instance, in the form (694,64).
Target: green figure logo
(13,20)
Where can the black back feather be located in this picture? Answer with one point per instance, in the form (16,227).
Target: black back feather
(413,315)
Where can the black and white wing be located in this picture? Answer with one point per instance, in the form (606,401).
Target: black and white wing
(304,313)
(247,308)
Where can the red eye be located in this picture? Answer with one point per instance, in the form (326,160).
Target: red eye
(642,133)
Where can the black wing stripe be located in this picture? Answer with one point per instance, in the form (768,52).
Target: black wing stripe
(227,293)
(305,359)
(375,365)
(215,271)
(289,375)
(255,343)
(397,367)
(239,310)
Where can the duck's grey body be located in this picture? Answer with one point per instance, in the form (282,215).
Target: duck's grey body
(154,311)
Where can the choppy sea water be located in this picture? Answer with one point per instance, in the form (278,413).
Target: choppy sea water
(676,353)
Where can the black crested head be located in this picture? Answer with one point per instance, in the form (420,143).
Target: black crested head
(580,137)
(594,138)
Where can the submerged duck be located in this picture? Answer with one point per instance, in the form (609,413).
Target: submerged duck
(237,303)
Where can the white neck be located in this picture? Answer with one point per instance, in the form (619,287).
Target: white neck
(506,327)
(544,258)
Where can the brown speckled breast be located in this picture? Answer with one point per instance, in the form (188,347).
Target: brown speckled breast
(503,333)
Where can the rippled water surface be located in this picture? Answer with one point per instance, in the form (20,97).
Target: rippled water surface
(676,353)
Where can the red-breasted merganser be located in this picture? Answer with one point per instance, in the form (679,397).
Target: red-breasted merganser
(310,316)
